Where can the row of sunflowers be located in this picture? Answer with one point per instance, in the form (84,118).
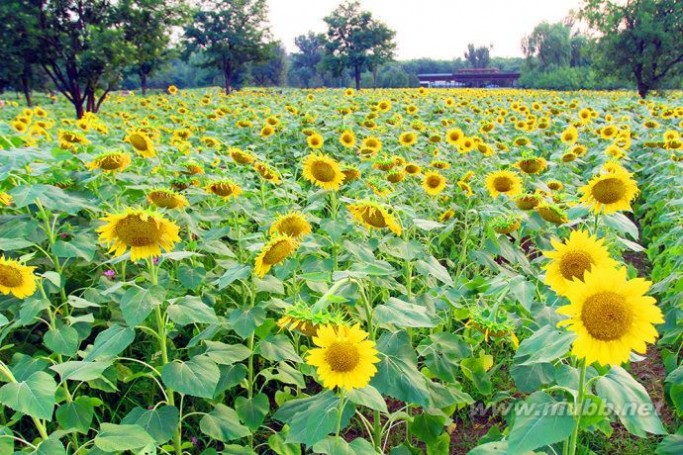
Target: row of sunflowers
(338,271)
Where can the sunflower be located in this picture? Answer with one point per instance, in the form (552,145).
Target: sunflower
(172,89)
(347,139)
(570,135)
(16,278)
(315,141)
(396,176)
(551,213)
(343,358)
(555,185)
(351,173)
(407,139)
(5,199)
(506,224)
(323,171)
(142,144)
(610,192)
(274,252)
(225,188)
(503,182)
(571,259)
(447,215)
(143,232)
(610,315)
(267,131)
(412,168)
(465,188)
(267,173)
(240,156)
(110,162)
(374,216)
(167,199)
(534,165)
(293,224)
(433,183)
(372,142)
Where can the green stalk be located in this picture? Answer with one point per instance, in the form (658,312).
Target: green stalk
(340,412)
(578,410)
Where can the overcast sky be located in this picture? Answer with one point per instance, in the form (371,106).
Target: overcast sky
(437,29)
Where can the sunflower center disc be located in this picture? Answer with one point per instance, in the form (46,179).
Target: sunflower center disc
(323,172)
(606,316)
(138,142)
(433,181)
(109,163)
(133,231)
(574,263)
(291,226)
(374,218)
(342,356)
(9,276)
(277,252)
(222,189)
(502,184)
(609,191)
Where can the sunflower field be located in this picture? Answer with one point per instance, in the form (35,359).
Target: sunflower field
(329,271)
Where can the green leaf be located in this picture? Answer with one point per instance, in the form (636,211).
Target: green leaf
(231,375)
(442,353)
(670,445)
(160,423)
(312,419)
(80,371)
(428,427)
(253,411)
(191,277)
(76,415)
(63,340)
(117,438)
(277,348)
(403,314)
(546,345)
(34,396)
(81,246)
(137,303)
(52,198)
(110,343)
(245,320)
(333,446)
(432,267)
(543,421)
(191,310)
(368,397)
(226,354)
(223,424)
(397,373)
(50,446)
(237,272)
(475,368)
(277,443)
(7,443)
(14,244)
(630,401)
(198,377)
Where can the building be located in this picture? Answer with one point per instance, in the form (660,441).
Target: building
(470,77)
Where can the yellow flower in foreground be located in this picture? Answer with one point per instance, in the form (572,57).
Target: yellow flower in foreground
(293,224)
(110,162)
(142,144)
(167,199)
(610,315)
(570,135)
(145,233)
(16,278)
(610,193)
(408,138)
(374,216)
(433,183)
(343,358)
(323,171)
(574,257)
(274,252)
(504,182)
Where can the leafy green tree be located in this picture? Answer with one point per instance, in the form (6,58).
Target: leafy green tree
(305,62)
(19,47)
(478,57)
(548,46)
(229,34)
(273,71)
(147,26)
(356,40)
(640,39)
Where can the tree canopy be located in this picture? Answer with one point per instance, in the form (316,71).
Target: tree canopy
(478,57)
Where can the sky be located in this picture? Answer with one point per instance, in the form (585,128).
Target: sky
(438,29)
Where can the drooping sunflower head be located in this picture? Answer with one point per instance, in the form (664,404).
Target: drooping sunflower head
(277,250)
(351,173)
(142,144)
(447,215)
(224,188)
(110,162)
(374,216)
(323,171)
(433,183)
(532,165)
(555,185)
(167,199)
(16,278)
(343,358)
(611,316)
(241,156)
(527,201)
(610,192)
(503,182)
(465,188)
(571,259)
(267,172)
(552,213)
(293,224)
(302,318)
(506,224)
(412,169)
(396,176)
(144,232)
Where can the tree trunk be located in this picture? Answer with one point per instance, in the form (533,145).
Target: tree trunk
(374,77)
(643,89)
(143,83)
(27,89)
(79,109)
(227,74)
(356,75)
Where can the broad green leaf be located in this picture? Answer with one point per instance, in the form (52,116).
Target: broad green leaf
(80,371)
(403,314)
(671,445)
(137,303)
(76,415)
(63,340)
(231,375)
(81,246)
(50,446)
(191,277)
(432,267)
(539,422)
(547,344)
(6,441)
(223,424)
(191,310)
(226,354)
(160,423)
(110,343)
(368,397)
(252,411)
(442,353)
(117,438)
(198,377)
(14,244)
(245,320)
(237,272)
(34,396)
(427,427)
(277,348)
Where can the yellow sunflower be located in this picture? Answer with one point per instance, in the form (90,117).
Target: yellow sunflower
(5,199)
(167,199)
(572,258)
(110,162)
(570,135)
(433,183)
(225,188)
(16,278)
(465,188)
(374,216)
(534,165)
(504,182)
(455,136)
(274,252)
(611,316)
(142,144)
(293,224)
(372,142)
(323,171)
(315,141)
(145,233)
(407,139)
(241,156)
(610,193)
(347,139)
(343,358)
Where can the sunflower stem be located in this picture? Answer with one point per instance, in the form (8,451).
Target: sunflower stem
(578,409)
(340,411)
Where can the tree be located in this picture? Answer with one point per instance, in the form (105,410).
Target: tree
(478,57)
(19,46)
(305,62)
(229,34)
(272,71)
(148,25)
(640,39)
(548,46)
(356,40)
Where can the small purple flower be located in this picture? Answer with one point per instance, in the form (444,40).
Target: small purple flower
(194,440)
(110,274)
(155,260)
(64,235)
